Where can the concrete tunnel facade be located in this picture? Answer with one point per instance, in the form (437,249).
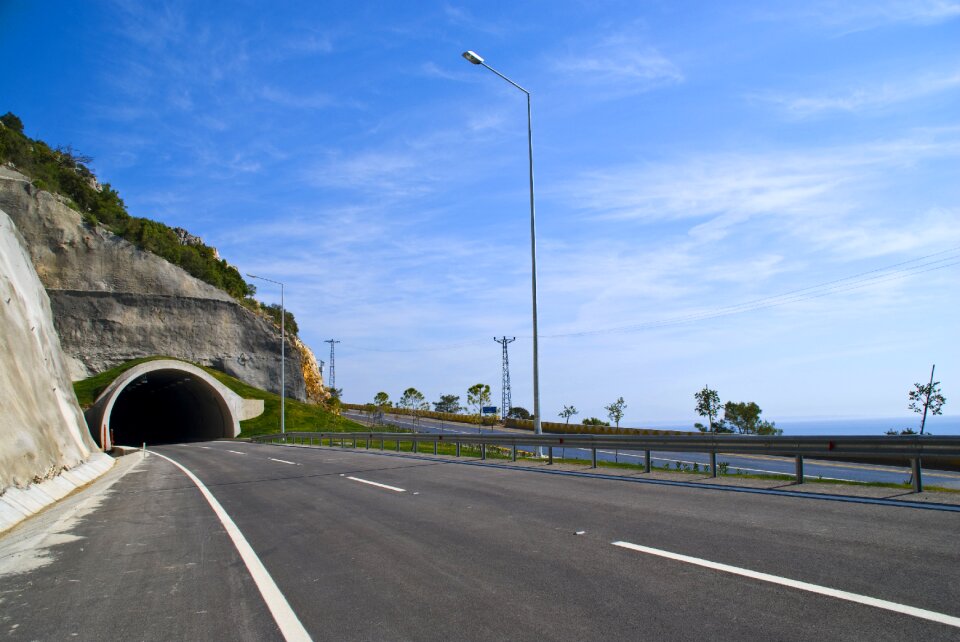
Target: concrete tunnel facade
(167,401)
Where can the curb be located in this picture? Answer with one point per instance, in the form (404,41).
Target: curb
(17,504)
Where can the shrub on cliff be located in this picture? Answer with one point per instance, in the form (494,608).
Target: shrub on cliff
(64,171)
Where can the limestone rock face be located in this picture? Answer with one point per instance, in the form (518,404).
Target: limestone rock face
(42,430)
(113,302)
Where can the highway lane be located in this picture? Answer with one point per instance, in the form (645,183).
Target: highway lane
(442,550)
(492,553)
(749,464)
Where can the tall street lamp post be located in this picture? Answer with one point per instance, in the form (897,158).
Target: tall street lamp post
(283,347)
(474,58)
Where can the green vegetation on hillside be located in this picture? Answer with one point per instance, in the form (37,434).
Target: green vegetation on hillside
(300,416)
(64,171)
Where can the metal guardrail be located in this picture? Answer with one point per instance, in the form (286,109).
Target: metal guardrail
(912,447)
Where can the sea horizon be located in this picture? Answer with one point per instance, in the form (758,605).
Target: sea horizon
(862,426)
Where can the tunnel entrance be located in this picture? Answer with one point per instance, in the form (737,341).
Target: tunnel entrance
(166,401)
(163,407)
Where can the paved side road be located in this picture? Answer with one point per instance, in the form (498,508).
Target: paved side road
(751,464)
(379,546)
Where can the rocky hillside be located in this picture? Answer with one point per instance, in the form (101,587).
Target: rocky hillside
(113,302)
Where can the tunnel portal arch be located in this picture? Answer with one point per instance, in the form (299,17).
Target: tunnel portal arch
(167,401)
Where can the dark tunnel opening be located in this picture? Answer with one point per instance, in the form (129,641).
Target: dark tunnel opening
(168,406)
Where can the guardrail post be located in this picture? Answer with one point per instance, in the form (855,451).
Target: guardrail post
(458,449)
(414,446)
(398,443)
(550,455)
(483,451)
(381,443)
(593,458)
(646,461)
(513,455)
(799,469)
(916,475)
(713,463)
(367,441)
(354,442)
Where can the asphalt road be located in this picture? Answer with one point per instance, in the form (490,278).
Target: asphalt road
(376,546)
(750,464)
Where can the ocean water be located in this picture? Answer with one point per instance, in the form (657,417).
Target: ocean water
(941,426)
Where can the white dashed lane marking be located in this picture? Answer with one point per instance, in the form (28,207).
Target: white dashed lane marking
(373,483)
(924,614)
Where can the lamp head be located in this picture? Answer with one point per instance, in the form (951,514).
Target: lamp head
(473,57)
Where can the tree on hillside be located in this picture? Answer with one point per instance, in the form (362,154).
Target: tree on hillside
(927,397)
(569,411)
(708,405)
(478,395)
(448,403)
(518,412)
(289,321)
(745,417)
(615,410)
(12,121)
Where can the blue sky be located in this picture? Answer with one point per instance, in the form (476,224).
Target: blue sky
(758,196)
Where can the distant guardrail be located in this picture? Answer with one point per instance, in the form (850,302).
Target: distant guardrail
(912,447)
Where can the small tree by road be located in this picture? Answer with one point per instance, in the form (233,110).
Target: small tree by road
(927,398)
(708,405)
(381,402)
(448,403)
(478,395)
(569,411)
(745,417)
(517,412)
(615,410)
(413,400)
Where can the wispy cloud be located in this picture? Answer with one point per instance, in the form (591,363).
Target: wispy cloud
(833,197)
(284,98)
(861,15)
(383,173)
(622,63)
(864,98)
(461,17)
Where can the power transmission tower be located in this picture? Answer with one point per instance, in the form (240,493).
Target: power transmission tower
(505,387)
(333,376)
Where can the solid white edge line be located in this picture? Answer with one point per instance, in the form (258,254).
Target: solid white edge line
(284,461)
(373,483)
(236,452)
(933,616)
(283,615)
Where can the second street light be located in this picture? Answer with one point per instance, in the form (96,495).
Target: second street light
(476,59)
(283,345)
